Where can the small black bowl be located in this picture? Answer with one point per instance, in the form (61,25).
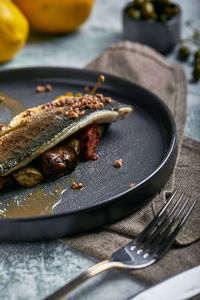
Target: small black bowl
(162,36)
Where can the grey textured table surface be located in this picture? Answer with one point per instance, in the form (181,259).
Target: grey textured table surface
(32,271)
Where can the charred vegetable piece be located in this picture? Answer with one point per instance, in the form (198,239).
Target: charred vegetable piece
(58,161)
(89,139)
(28,176)
(74,143)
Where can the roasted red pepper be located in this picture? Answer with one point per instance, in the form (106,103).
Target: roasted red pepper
(89,139)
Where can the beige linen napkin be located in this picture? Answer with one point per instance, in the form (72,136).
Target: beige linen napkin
(146,67)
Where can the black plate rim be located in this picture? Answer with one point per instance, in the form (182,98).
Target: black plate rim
(172,146)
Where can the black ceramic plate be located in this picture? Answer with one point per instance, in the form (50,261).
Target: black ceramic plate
(146,141)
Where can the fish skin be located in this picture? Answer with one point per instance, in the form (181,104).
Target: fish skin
(47,128)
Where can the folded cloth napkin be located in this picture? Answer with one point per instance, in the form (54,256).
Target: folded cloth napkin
(146,67)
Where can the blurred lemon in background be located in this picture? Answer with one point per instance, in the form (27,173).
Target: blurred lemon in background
(55,16)
(14,30)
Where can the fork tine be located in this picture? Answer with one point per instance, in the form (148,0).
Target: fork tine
(163,223)
(170,224)
(168,242)
(178,214)
(155,220)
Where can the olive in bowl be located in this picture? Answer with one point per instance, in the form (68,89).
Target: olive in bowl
(156,23)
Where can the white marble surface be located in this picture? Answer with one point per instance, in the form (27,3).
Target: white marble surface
(31,271)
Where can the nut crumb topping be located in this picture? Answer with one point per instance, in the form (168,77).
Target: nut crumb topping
(28,113)
(76,185)
(118,163)
(72,115)
(44,106)
(100,96)
(60,111)
(132,185)
(40,89)
(82,113)
(86,89)
(108,99)
(48,87)
(62,102)
(73,106)
(95,156)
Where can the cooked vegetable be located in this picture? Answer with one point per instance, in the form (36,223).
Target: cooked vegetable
(58,161)
(74,143)
(28,176)
(89,139)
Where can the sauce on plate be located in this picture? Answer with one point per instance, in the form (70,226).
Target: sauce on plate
(14,105)
(36,203)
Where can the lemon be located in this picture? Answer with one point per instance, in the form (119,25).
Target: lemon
(55,16)
(14,30)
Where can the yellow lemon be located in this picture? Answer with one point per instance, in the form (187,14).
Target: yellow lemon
(14,30)
(55,16)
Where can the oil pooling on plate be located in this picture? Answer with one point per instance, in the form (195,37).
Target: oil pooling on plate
(13,104)
(37,203)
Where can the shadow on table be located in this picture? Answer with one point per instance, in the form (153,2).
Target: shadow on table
(36,37)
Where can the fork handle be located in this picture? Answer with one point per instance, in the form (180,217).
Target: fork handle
(89,273)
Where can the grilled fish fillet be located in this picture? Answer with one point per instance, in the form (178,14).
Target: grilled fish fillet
(45,126)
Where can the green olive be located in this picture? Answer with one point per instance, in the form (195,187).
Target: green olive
(162,1)
(184,53)
(197,54)
(196,72)
(163,17)
(155,16)
(147,9)
(138,3)
(134,13)
(197,61)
